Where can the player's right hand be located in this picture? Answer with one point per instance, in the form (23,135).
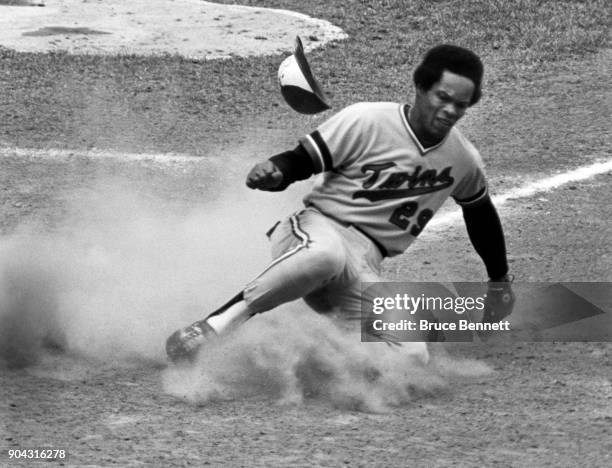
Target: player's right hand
(264,176)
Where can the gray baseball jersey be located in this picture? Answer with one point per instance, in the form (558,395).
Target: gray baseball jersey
(377,176)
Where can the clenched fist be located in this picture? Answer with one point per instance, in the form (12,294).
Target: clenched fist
(265,176)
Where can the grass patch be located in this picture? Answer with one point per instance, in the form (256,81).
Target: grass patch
(527,31)
(524,31)
(169,103)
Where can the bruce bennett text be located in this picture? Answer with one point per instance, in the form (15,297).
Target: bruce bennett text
(426,325)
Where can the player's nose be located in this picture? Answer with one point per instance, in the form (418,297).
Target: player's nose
(450,111)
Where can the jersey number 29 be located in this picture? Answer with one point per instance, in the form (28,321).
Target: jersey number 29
(402,214)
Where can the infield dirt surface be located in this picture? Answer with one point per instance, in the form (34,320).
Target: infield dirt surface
(125,216)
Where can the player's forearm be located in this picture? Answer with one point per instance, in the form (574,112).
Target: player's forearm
(281,170)
(295,165)
(487,236)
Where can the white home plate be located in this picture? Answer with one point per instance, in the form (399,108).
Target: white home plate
(191,28)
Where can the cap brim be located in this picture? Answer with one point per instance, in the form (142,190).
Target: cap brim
(298,84)
(300,57)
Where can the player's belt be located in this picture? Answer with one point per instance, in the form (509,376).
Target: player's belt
(378,245)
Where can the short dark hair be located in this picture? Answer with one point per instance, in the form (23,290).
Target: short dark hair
(454,59)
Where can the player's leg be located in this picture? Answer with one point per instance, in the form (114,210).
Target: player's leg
(308,253)
(343,301)
(346,312)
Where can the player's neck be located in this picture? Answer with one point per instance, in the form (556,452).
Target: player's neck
(427,140)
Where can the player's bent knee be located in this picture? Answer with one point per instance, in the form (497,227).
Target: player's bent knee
(310,269)
(326,260)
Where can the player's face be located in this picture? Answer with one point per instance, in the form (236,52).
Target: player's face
(440,107)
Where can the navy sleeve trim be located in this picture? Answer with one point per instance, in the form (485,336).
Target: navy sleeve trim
(325,153)
(314,144)
(480,196)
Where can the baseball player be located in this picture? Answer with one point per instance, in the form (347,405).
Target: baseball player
(383,169)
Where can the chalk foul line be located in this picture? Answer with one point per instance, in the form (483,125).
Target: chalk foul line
(530,189)
(441,220)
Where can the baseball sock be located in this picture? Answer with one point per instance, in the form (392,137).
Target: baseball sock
(230,315)
(230,318)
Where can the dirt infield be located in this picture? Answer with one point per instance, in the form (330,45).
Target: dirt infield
(124,215)
(194,29)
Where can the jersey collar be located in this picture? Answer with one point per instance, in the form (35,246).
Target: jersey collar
(404,109)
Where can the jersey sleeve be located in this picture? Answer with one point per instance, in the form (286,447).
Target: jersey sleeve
(472,188)
(338,139)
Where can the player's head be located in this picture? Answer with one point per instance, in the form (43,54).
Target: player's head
(447,83)
(452,58)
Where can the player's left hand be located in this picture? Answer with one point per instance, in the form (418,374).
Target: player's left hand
(500,299)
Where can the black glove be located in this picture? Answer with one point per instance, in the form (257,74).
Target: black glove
(499,300)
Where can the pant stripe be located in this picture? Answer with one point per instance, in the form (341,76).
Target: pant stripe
(297,232)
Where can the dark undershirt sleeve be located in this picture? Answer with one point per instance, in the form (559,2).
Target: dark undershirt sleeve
(295,165)
(487,236)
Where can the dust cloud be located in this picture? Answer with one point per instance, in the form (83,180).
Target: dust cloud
(292,354)
(124,268)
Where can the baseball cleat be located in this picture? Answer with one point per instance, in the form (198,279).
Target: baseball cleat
(184,344)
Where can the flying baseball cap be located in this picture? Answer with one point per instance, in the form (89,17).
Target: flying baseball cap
(298,85)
